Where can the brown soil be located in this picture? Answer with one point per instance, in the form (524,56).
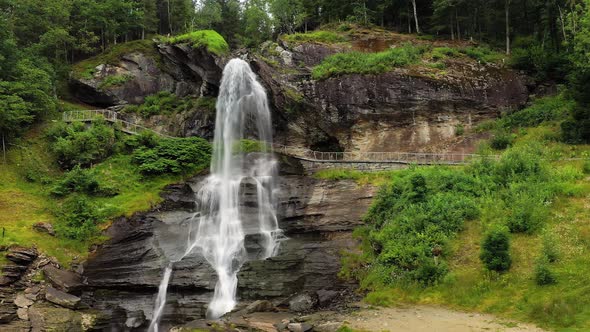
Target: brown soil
(430,319)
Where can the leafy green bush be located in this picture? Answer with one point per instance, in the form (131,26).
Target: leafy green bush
(586,167)
(210,39)
(367,63)
(318,36)
(495,250)
(414,215)
(550,250)
(501,140)
(78,219)
(82,181)
(527,213)
(440,53)
(248,145)
(114,80)
(545,109)
(173,155)
(541,62)
(543,274)
(483,54)
(519,164)
(77,145)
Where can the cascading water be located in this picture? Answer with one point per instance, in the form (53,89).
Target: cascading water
(217,230)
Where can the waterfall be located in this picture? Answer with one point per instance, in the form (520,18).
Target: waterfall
(217,230)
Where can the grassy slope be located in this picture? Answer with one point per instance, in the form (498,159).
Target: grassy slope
(425,56)
(24,203)
(564,306)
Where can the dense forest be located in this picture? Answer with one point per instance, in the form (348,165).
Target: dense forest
(40,39)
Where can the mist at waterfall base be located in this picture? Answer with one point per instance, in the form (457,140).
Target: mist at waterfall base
(217,230)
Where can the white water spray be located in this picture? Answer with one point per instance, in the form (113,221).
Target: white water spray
(217,231)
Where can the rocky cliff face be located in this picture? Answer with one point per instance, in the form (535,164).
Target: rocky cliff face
(407,109)
(317,217)
(174,68)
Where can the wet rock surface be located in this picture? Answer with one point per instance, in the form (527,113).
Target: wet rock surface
(316,216)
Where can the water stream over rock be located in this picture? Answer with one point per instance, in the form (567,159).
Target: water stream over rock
(218,230)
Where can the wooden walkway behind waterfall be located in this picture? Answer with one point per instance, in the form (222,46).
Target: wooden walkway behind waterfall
(312,160)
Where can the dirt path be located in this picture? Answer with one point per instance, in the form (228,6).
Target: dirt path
(431,319)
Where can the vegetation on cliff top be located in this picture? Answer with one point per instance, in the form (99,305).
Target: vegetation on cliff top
(77,178)
(113,55)
(367,63)
(209,39)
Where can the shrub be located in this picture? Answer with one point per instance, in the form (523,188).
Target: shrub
(248,146)
(550,250)
(173,155)
(527,214)
(495,250)
(420,211)
(519,164)
(459,130)
(542,110)
(501,141)
(78,219)
(114,80)
(541,62)
(483,54)
(367,63)
(81,181)
(210,39)
(543,274)
(75,145)
(440,53)
(586,167)
(320,36)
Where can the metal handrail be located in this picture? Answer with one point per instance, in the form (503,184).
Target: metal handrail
(380,157)
(108,115)
(299,152)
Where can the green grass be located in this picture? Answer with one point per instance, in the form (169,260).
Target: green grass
(137,193)
(565,218)
(86,69)
(441,53)
(29,175)
(367,63)
(114,80)
(318,36)
(484,54)
(210,39)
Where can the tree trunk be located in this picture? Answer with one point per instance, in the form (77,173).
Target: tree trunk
(169,20)
(507,10)
(409,21)
(452,28)
(416,16)
(3,148)
(458,26)
(561,18)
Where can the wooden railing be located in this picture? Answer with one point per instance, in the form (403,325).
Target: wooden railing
(110,116)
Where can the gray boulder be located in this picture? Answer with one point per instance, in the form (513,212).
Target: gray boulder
(303,302)
(60,298)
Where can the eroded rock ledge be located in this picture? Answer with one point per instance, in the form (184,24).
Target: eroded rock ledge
(317,217)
